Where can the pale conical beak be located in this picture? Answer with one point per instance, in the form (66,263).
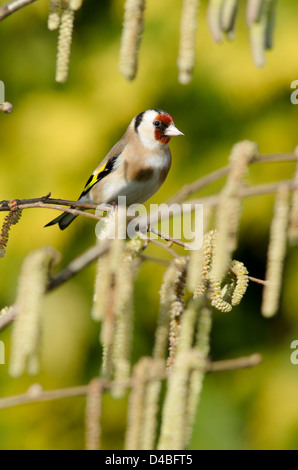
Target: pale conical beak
(171,131)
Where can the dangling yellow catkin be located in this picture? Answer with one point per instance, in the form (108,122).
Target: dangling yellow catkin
(107,333)
(171,308)
(214,13)
(151,404)
(102,310)
(136,404)
(188,370)
(26,332)
(253,11)
(257,35)
(195,267)
(229,293)
(216,297)
(293,223)
(241,274)
(188,31)
(93,414)
(64,45)
(12,218)
(133,26)
(102,286)
(229,208)
(270,24)
(202,345)
(123,306)
(196,257)
(204,266)
(175,318)
(228,17)
(56,9)
(107,264)
(174,425)
(110,231)
(223,294)
(276,253)
(75,4)
(171,294)
(171,291)
(188,324)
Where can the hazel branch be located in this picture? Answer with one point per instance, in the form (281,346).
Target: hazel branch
(246,191)
(183,194)
(201,183)
(78,264)
(36,393)
(41,201)
(11,7)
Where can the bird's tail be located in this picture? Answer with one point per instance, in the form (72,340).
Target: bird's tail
(63,220)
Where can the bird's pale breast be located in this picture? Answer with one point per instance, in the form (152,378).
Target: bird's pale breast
(136,182)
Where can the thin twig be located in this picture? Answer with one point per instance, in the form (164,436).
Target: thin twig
(167,237)
(201,183)
(248,191)
(36,394)
(267,188)
(43,395)
(212,200)
(8,317)
(11,7)
(59,208)
(162,261)
(163,245)
(157,242)
(78,264)
(253,279)
(185,192)
(233,364)
(185,245)
(41,201)
(275,158)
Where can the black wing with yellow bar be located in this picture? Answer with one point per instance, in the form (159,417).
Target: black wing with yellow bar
(105,170)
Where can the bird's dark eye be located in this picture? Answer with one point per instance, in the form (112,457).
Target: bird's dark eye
(156,123)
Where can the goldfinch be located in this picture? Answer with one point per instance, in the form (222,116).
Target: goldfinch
(135,167)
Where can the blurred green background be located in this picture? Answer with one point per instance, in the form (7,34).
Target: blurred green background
(56,136)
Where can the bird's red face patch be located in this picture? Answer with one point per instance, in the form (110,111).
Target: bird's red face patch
(165,120)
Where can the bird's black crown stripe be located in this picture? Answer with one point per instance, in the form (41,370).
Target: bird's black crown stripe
(160,111)
(138,120)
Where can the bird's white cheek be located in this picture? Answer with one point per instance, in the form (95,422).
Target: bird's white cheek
(149,141)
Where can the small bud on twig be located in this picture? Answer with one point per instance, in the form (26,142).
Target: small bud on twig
(6,107)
